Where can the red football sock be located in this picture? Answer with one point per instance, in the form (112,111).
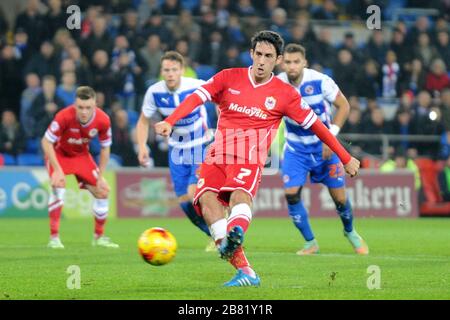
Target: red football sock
(240,216)
(54,213)
(99,227)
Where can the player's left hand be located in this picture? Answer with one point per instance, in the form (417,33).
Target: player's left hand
(326,152)
(352,167)
(163,128)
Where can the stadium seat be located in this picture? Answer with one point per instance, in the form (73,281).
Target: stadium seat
(133,117)
(433,204)
(8,160)
(245,58)
(205,72)
(29,159)
(32,146)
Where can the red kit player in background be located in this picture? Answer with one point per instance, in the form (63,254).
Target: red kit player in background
(66,149)
(252,102)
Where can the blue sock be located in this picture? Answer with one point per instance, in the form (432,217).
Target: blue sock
(198,221)
(346,213)
(299,216)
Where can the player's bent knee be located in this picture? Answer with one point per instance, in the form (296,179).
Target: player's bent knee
(239,196)
(292,196)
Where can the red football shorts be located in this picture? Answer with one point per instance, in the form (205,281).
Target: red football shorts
(83,167)
(223,179)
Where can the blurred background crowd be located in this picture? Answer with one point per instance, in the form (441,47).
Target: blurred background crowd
(395,78)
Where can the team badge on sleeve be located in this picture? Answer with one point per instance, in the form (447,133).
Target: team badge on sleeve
(270,103)
(54,126)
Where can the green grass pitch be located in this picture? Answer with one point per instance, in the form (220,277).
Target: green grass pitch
(413,257)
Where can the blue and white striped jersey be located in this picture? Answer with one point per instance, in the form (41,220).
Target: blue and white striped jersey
(319,91)
(188,132)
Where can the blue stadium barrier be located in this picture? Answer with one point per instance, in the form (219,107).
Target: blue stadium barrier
(116,159)
(133,117)
(205,72)
(29,159)
(189,4)
(8,159)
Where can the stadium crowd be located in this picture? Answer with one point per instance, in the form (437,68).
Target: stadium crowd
(118,48)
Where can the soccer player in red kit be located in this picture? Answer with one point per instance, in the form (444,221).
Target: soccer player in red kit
(66,148)
(252,102)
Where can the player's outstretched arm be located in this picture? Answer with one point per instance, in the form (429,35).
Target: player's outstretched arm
(58,179)
(142,137)
(351,164)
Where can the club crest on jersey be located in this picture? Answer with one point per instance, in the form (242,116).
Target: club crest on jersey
(200,183)
(93,132)
(270,103)
(309,89)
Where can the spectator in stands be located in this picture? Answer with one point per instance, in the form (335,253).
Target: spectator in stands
(401,161)
(401,48)
(123,146)
(445,109)
(368,80)
(245,8)
(344,73)
(208,24)
(171,7)
(279,23)
(131,30)
(125,78)
(421,26)
(45,62)
(82,67)
(62,40)
(391,71)
(357,9)
(45,106)
(324,52)
(443,46)
(33,22)
(213,49)
(267,7)
(250,25)
(202,7)
(103,76)
(327,12)
(444,181)
(437,79)
(67,90)
(230,59)
(12,136)
(55,18)
(353,123)
(413,77)
(185,25)
(297,6)
(403,125)
(377,48)
(376,125)
(183,47)
(151,54)
(350,44)
(156,25)
(3,24)
(32,90)
(424,50)
(145,10)
(22,49)
(223,13)
(234,31)
(427,123)
(98,39)
(11,81)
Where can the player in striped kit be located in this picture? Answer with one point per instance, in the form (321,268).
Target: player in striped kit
(186,145)
(305,153)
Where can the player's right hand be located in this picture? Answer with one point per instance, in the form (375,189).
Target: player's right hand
(163,128)
(144,157)
(58,179)
(352,167)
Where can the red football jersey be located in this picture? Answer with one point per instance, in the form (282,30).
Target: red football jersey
(72,138)
(250,113)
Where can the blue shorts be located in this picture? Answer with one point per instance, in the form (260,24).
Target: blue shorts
(296,166)
(183,170)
